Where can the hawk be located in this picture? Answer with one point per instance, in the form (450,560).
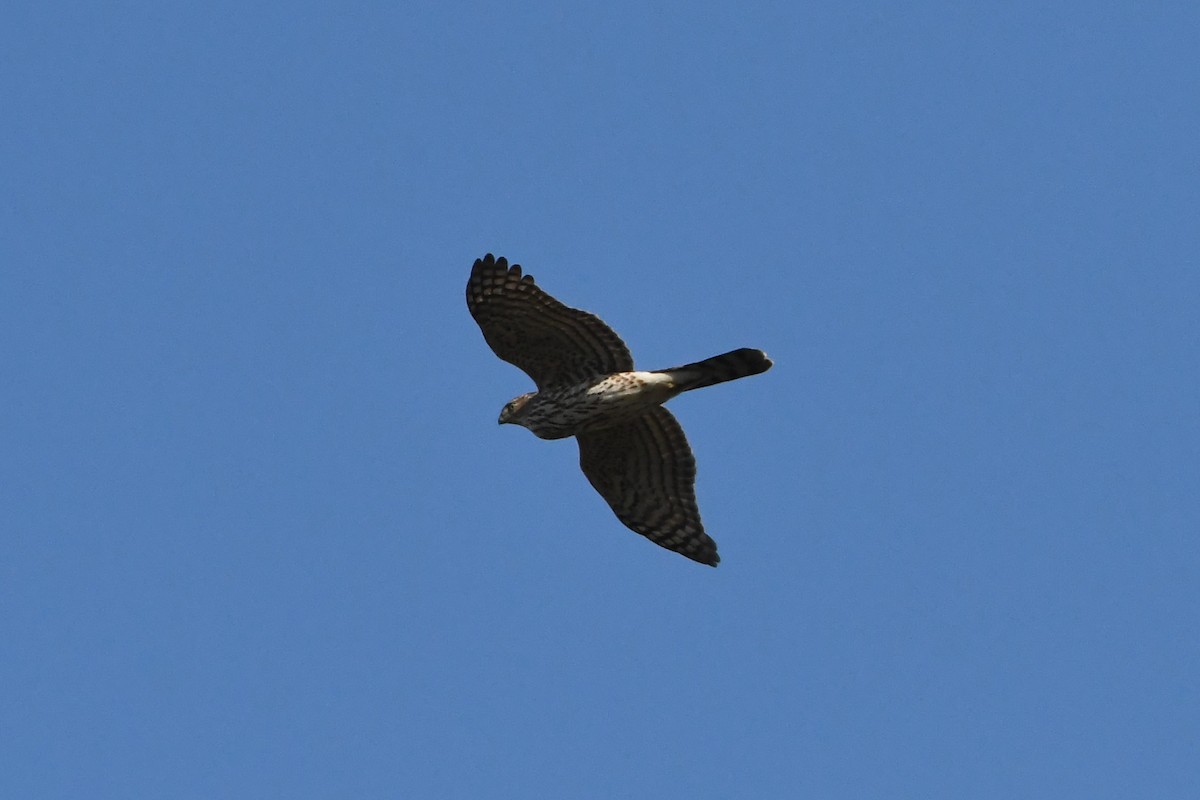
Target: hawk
(630,448)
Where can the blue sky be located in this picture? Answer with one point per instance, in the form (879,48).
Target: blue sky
(263,537)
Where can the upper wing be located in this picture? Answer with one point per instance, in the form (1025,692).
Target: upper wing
(553,343)
(646,471)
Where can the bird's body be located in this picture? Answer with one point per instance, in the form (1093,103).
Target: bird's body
(631,449)
(564,411)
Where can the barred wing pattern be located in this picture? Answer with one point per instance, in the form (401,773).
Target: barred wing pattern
(552,343)
(645,470)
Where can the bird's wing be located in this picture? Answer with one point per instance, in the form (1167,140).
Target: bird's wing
(553,343)
(645,470)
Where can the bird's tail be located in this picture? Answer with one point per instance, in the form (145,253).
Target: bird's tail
(718,369)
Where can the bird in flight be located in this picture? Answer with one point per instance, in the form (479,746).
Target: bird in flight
(631,449)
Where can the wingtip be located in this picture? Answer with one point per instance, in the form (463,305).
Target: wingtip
(492,262)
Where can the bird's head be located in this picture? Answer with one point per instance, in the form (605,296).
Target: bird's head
(514,409)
